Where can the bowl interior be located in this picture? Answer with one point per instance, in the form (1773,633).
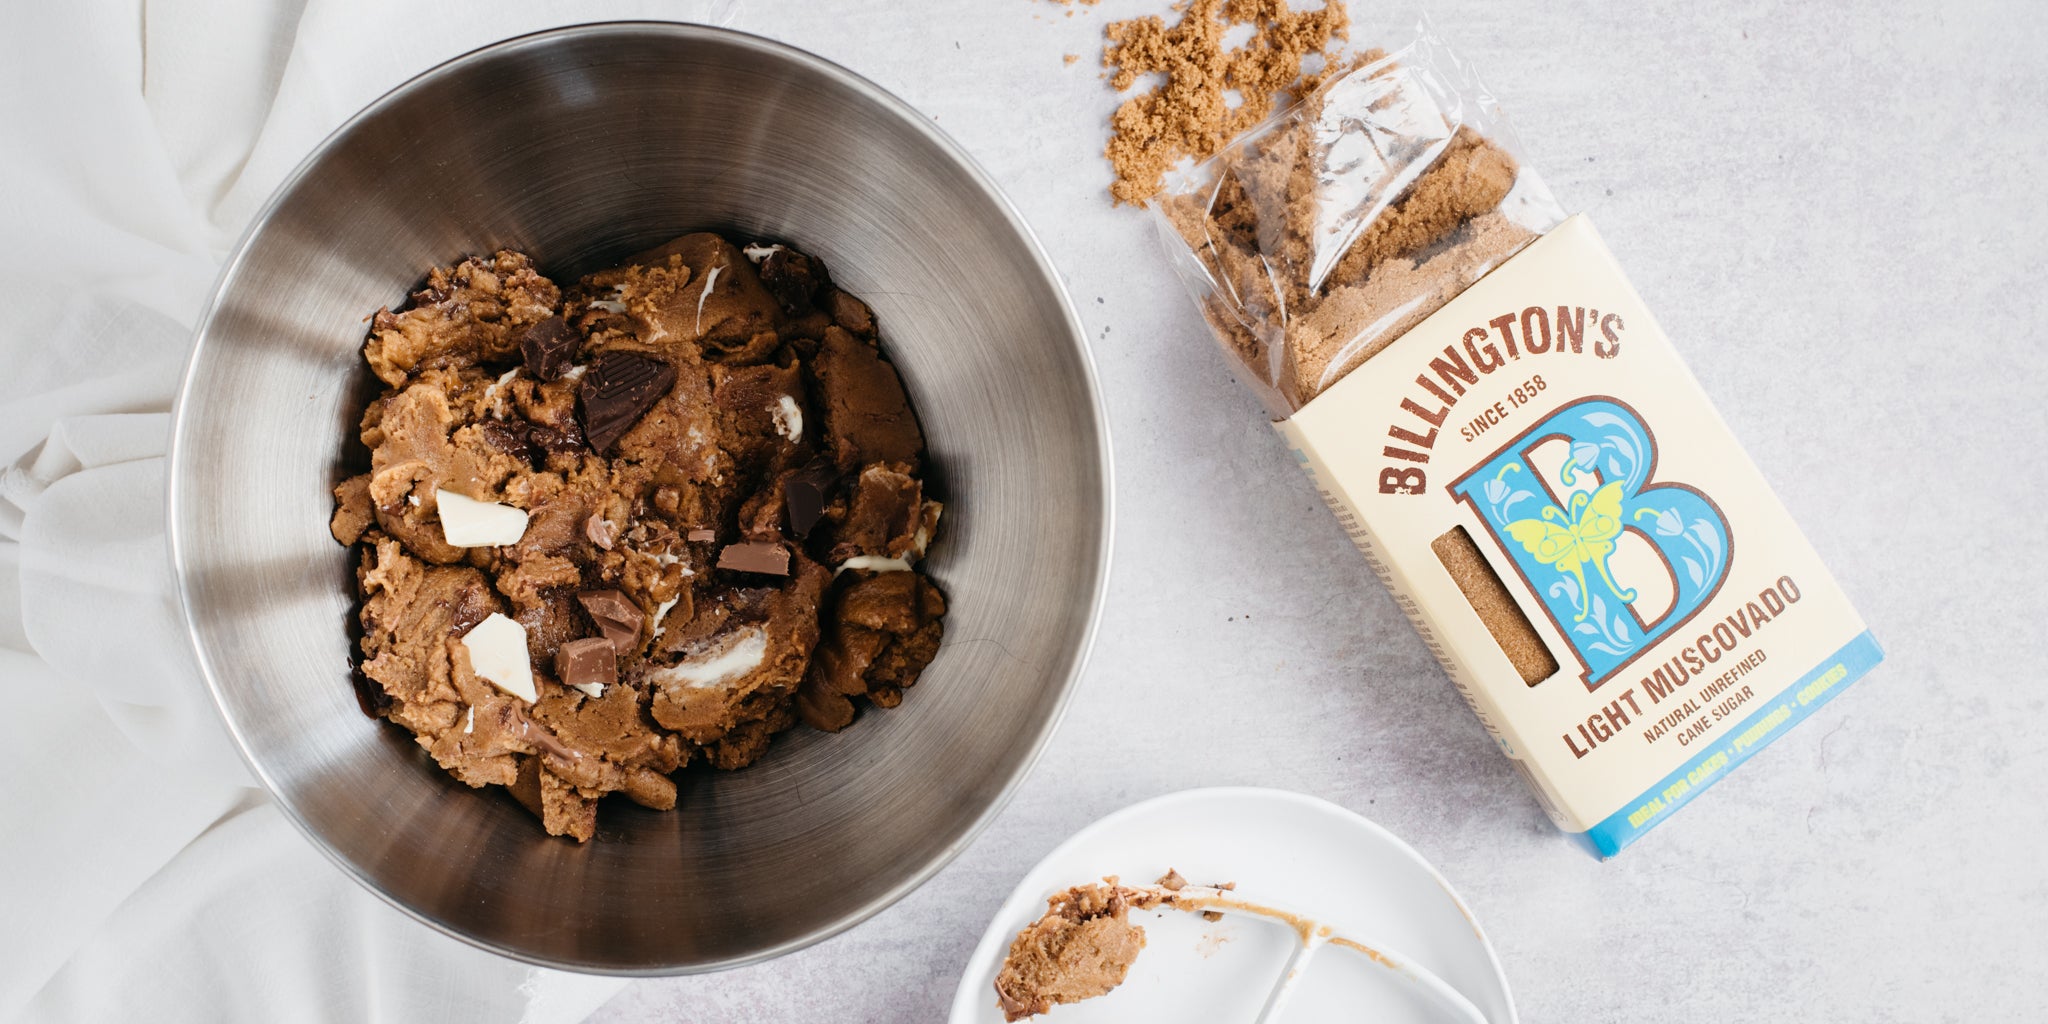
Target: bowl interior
(580,146)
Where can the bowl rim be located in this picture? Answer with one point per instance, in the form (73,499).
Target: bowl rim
(181,415)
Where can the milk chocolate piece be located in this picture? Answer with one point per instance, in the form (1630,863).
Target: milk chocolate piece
(765,557)
(803,495)
(619,388)
(547,346)
(701,536)
(601,531)
(617,617)
(579,663)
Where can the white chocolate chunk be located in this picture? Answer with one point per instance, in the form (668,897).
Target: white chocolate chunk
(468,523)
(760,253)
(615,304)
(789,419)
(497,653)
(872,563)
(879,563)
(710,282)
(590,689)
(721,663)
(661,613)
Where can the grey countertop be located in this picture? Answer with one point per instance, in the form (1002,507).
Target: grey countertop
(1830,208)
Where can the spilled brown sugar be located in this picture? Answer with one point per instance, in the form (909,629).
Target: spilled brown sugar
(1191,114)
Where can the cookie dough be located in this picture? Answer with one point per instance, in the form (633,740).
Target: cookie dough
(1085,943)
(1082,948)
(717,472)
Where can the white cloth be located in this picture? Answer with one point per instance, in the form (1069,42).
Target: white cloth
(142,876)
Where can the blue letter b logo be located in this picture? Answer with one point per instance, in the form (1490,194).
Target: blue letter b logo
(1615,560)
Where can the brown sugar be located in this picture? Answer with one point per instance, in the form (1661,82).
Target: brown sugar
(1191,115)
(1316,265)
(1497,609)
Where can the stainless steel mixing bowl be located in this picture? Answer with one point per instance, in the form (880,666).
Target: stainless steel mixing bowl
(579,146)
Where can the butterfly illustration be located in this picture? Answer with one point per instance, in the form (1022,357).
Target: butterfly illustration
(1567,541)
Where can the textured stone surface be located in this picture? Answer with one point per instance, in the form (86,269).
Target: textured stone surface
(1831,209)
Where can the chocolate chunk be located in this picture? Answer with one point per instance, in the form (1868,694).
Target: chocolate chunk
(515,441)
(701,536)
(429,296)
(568,438)
(617,617)
(619,388)
(590,660)
(792,278)
(547,346)
(755,556)
(803,495)
(600,530)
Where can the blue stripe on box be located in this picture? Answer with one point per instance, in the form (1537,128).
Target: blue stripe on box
(1754,733)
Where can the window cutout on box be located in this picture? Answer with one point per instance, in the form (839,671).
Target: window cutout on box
(1496,607)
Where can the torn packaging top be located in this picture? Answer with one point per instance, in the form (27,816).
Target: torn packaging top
(1514,444)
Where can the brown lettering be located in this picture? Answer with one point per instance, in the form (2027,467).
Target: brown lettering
(1486,358)
(1430,385)
(1434,420)
(1401,481)
(1611,327)
(1419,440)
(1530,336)
(1451,369)
(1571,327)
(1505,324)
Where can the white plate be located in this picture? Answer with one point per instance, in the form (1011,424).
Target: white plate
(1285,848)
